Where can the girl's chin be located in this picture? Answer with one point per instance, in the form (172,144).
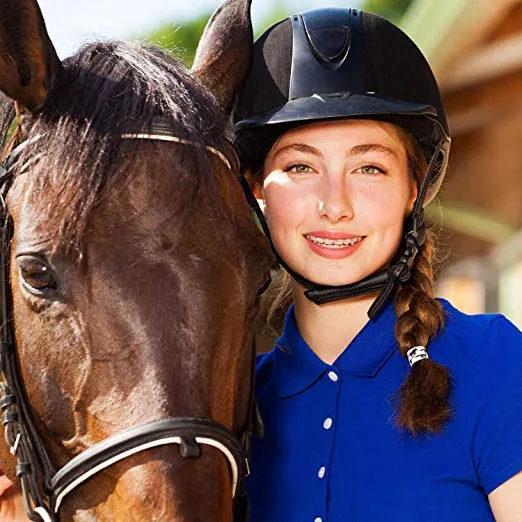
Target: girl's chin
(332,272)
(320,278)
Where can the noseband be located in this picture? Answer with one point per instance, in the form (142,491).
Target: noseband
(44,488)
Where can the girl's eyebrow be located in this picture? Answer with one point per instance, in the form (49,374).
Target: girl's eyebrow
(354,151)
(299,147)
(371,147)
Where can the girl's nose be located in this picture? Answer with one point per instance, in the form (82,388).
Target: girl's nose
(335,203)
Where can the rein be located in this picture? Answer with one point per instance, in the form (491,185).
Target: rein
(44,488)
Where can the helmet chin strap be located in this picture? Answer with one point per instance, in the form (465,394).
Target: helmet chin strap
(384,280)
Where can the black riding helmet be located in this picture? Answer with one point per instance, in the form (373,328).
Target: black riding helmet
(344,63)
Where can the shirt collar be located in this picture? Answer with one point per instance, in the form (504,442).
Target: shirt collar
(297,367)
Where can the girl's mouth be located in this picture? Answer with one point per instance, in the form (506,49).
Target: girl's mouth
(333,243)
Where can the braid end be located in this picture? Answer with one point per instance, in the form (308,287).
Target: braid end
(423,399)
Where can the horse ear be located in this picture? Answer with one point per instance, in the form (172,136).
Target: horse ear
(28,61)
(225,51)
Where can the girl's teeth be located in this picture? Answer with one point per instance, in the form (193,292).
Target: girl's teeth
(333,243)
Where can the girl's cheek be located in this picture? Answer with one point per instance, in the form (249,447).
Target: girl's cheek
(287,201)
(382,204)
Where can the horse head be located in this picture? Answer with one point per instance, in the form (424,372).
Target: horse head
(134,268)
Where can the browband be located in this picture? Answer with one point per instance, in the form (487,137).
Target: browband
(175,139)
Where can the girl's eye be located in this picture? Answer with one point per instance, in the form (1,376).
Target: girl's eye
(36,276)
(370,170)
(300,169)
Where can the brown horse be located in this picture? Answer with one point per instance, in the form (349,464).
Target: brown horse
(134,262)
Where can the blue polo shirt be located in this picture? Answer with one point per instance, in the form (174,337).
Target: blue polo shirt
(331,451)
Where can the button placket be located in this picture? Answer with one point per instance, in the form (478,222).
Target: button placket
(326,425)
(331,385)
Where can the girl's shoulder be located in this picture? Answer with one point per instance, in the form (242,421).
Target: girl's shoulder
(486,330)
(484,356)
(264,369)
(265,361)
(481,324)
(482,343)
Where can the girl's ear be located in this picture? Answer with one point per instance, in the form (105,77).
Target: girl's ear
(414,191)
(260,199)
(257,189)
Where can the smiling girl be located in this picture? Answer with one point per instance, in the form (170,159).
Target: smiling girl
(380,402)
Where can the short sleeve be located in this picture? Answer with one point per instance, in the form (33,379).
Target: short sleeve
(497,438)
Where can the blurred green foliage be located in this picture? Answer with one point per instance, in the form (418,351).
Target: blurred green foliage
(390,9)
(181,40)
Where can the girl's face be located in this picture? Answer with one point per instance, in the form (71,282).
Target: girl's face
(336,195)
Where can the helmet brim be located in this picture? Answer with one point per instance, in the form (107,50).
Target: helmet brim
(343,105)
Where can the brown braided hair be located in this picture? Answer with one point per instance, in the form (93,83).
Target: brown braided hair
(422,402)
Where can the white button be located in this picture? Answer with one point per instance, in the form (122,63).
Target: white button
(318,519)
(327,424)
(321,472)
(333,376)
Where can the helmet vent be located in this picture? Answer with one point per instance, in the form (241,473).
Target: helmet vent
(330,43)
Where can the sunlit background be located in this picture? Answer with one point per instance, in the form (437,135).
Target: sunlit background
(74,23)
(475,49)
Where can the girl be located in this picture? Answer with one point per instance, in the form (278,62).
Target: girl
(415,412)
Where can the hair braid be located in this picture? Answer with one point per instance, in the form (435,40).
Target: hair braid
(423,398)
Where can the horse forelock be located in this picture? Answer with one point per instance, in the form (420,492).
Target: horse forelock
(106,90)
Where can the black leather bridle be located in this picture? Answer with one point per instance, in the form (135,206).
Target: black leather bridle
(44,488)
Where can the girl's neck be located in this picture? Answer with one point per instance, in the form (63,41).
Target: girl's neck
(328,329)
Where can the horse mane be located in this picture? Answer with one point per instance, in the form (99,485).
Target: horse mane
(105,90)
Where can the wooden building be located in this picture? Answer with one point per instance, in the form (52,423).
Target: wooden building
(475,49)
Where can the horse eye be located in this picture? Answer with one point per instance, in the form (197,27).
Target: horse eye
(37,277)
